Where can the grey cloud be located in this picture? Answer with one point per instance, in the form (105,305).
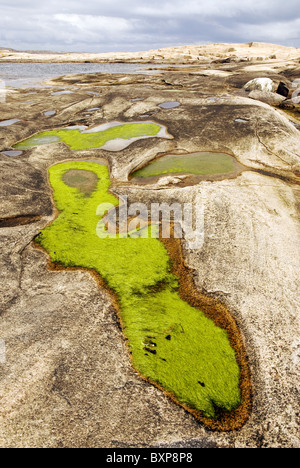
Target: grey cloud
(114,25)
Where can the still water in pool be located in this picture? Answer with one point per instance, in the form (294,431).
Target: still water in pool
(200,163)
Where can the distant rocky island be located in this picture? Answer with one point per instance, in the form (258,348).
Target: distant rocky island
(232,53)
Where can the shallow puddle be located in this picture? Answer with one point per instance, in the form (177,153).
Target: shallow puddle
(113,136)
(50,113)
(60,93)
(93,109)
(12,154)
(169,105)
(7,123)
(85,181)
(241,121)
(200,164)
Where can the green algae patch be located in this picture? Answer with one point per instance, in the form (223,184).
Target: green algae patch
(201,163)
(172,344)
(77,140)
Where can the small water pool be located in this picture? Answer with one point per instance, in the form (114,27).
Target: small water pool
(61,93)
(241,121)
(85,181)
(7,123)
(50,113)
(169,105)
(12,153)
(112,136)
(198,164)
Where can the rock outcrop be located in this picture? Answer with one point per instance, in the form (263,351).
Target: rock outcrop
(67,380)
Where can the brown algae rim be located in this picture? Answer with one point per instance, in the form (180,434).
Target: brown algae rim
(221,316)
(212,308)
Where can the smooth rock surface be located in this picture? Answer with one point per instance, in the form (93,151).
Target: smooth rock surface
(272,99)
(260,84)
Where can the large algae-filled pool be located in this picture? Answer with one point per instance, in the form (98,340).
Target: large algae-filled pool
(173,345)
(200,164)
(114,136)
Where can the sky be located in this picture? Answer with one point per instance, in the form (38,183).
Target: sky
(137,25)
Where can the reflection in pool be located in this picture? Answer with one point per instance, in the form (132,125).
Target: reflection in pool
(201,164)
(37,140)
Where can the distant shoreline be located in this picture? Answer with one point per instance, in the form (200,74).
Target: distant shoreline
(253,51)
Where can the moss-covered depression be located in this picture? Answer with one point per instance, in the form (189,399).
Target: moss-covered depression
(78,140)
(173,345)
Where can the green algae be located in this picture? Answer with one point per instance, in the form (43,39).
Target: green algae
(78,140)
(172,344)
(200,163)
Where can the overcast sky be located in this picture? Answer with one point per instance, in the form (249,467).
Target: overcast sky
(136,25)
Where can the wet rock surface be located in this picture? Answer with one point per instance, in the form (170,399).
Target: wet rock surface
(67,380)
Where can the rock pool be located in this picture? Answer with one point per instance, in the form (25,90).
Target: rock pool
(114,136)
(61,93)
(7,123)
(169,105)
(200,164)
(12,154)
(50,113)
